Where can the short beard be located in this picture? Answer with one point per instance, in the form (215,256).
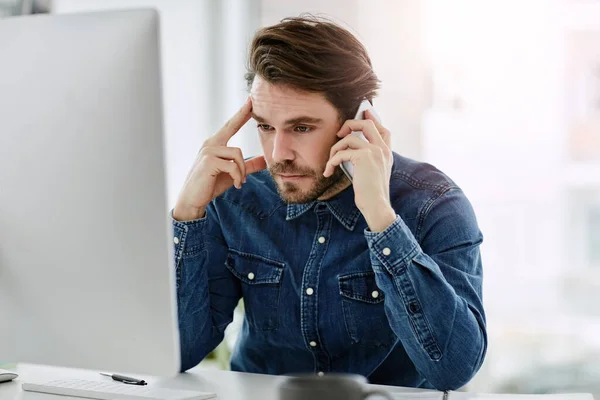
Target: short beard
(292,194)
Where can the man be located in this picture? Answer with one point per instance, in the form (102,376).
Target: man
(381,276)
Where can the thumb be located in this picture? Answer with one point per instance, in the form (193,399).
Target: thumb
(255,164)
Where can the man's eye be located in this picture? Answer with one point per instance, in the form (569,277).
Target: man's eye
(303,129)
(264,127)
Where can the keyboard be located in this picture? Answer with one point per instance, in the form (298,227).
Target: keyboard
(113,391)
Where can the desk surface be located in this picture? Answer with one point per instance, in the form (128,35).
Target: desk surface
(228,385)
(232,386)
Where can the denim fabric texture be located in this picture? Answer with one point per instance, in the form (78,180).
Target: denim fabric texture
(322,293)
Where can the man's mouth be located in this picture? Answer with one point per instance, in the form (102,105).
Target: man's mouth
(290,177)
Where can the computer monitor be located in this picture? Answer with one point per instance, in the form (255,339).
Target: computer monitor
(86,271)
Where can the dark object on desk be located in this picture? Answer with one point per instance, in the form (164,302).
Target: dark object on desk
(327,387)
(126,379)
(7,376)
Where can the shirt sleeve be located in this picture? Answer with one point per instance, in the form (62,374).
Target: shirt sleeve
(207,293)
(433,289)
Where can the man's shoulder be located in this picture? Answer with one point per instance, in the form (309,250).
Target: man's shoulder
(417,188)
(410,174)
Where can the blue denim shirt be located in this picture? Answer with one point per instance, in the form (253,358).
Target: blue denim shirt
(322,293)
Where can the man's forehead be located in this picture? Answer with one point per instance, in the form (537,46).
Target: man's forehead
(265,94)
(278,98)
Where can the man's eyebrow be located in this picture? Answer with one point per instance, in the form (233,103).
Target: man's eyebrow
(292,121)
(257,118)
(303,120)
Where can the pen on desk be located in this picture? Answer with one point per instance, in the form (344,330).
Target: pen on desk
(125,379)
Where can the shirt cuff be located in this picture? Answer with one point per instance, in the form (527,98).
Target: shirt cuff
(392,248)
(188,236)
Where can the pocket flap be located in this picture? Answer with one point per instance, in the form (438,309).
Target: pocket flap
(361,286)
(253,269)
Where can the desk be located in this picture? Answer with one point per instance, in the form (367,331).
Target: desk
(232,386)
(228,385)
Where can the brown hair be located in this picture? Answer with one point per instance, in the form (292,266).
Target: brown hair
(314,55)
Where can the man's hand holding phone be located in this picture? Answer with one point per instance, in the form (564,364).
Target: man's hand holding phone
(216,169)
(372,161)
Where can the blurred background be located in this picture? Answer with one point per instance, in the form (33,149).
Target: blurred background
(502,95)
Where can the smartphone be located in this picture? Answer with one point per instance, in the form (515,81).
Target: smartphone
(347,166)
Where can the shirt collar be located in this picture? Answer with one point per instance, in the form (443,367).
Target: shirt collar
(342,206)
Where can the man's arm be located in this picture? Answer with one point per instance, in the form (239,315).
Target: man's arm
(207,293)
(434,290)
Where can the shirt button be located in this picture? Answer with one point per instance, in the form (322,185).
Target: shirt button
(251,276)
(375,294)
(313,344)
(413,308)
(176,240)
(322,239)
(320,373)
(309,291)
(387,251)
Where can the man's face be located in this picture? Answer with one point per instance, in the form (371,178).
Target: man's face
(296,131)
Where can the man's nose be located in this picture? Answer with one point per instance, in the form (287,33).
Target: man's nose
(282,147)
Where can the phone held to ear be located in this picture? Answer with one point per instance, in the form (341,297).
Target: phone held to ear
(347,166)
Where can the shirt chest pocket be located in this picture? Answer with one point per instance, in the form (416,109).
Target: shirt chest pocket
(363,309)
(261,287)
